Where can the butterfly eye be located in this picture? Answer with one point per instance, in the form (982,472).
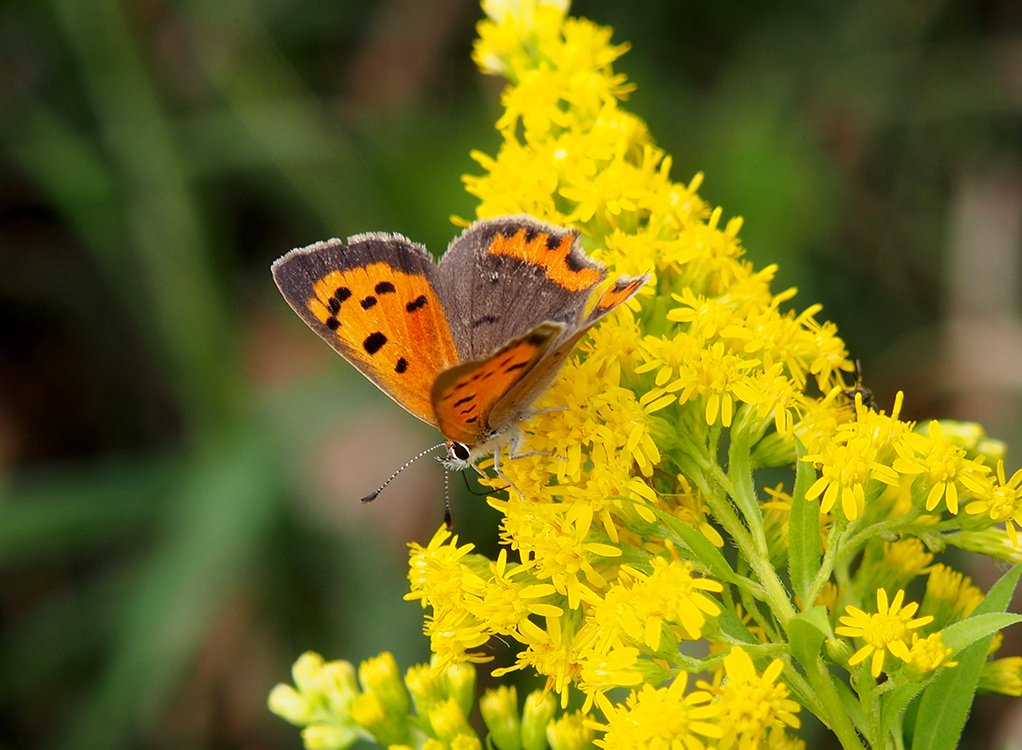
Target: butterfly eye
(460,451)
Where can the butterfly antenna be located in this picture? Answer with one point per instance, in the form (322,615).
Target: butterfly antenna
(372,495)
(448,518)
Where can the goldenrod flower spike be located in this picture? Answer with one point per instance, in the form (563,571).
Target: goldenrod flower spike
(704,489)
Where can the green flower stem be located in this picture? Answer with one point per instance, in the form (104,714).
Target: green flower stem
(743,490)
(717,498)
(834,714)
(807,696)
(695,666)
(774,592)
(865,687)
(743,485)
(753,609)
(850,547)
(837,529)
(777,594)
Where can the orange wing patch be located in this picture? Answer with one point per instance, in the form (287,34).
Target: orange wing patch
(553,254)
(619,293)
(463,396)
(391,326)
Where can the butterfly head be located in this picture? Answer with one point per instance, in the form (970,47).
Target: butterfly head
(458,457)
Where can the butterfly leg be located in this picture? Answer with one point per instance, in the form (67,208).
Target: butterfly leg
(546,410)
(516,442)
(502,475)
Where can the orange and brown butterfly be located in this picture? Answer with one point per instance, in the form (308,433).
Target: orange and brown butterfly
(467,344)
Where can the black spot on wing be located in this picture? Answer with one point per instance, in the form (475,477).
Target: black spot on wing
(342,293)
(374,342)
(485,320)
(416,303)
(401,366)
(368,302)
(333,323)
(574,261)
(385,287)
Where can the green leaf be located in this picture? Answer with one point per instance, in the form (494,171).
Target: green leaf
(62,513)
(806,633)
(946,703)
(851,703)
(963,634)
(803,531)
(894,703)
(957,637)
(701,547)
(221,511)
(728,624)
(740,471)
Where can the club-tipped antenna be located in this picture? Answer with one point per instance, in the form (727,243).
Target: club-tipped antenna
(448,518)
(372,495)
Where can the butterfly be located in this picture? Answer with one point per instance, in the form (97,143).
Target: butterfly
(467,344)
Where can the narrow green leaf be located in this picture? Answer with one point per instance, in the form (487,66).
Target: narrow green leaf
(803,530)
(946,703)
(221,513)
(52,513)
(957,637)
(963,634)
(729,624)
(851,703)
(894,703)
(740,471)
(699,545)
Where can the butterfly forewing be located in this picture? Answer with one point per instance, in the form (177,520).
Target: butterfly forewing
(374,301)
(503,277)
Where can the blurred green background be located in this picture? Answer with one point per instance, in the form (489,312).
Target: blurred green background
(180,458)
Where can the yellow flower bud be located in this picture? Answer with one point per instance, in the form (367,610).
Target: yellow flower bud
(539,710)
(328,737)
(289,705)
(379,675)
(499,708)
(448,720)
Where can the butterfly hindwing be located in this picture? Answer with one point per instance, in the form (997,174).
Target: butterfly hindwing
(463,396)
(374,300)
(517,401)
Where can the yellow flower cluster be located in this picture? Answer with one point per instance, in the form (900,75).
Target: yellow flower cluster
(642,542)
(627,453)
(429,709)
